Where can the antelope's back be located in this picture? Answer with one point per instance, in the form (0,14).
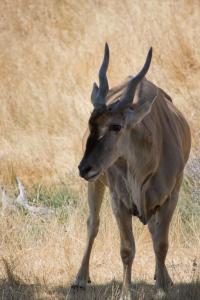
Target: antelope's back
(176,130)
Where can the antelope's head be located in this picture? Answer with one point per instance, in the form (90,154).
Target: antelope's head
(109,124)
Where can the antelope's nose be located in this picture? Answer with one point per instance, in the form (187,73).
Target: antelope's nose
(84,169)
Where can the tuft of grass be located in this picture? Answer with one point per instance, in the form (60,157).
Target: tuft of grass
(188,208)
(55,197)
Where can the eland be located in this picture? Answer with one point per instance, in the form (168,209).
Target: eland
(138,145)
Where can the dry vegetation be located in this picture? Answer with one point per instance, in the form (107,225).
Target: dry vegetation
(39,257)
(50,52)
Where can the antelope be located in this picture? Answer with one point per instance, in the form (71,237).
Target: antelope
(138,145)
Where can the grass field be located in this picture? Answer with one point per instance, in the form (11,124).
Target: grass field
(50,54)
(40,256)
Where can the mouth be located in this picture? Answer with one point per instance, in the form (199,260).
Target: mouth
(92,175)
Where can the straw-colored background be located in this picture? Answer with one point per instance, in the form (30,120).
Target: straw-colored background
(50,52)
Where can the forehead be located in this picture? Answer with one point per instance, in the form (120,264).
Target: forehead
(102,118)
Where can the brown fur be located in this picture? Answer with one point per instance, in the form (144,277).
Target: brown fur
(143,167)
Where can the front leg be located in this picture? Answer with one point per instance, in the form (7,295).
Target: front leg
(127,251)
(95,196)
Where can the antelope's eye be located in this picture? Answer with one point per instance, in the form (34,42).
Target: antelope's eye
(115,127)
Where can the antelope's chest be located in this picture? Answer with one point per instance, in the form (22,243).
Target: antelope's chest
(125,189)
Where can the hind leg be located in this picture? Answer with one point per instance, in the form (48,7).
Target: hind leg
(159,229)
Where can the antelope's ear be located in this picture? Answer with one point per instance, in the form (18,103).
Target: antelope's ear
(147,96)
(137,113)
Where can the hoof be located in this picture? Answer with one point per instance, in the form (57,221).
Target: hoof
(80,283)
(160,294)
(129,295)
(163,281)
(76,287)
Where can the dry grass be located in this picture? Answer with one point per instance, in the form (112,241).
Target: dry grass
(40,257)
(50,53)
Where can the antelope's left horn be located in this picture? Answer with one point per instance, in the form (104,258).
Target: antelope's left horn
(98,95)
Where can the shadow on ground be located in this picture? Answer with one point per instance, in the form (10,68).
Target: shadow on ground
(17,290)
